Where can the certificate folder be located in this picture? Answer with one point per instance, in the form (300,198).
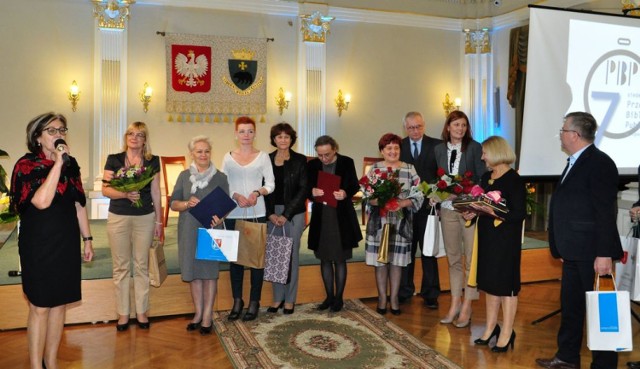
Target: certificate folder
(329,183)
(463,203)
(217,202)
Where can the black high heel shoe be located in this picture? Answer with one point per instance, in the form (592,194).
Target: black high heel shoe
(327,303)
(122,327)
(238,304)
(286,311)
(206,330)
(272,309)
(495,333)
(252,311)
(193,326)
(512,343)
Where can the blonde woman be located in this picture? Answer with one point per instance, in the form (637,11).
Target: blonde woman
(131,229)
(192,185)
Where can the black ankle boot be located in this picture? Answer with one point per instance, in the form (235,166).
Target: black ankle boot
(337,305)
(327,303)
(238,304)
(252,311)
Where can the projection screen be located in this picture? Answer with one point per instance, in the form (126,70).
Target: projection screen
(581,61)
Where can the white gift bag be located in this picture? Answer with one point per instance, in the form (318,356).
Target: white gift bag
(217,244)
(432,242)
(628,268)
(608,320)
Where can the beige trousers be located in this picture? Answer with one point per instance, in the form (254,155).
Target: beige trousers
(130,237)
(458,242)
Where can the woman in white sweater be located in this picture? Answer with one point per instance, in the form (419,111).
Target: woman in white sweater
(250,177)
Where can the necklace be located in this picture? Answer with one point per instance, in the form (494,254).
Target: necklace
(133,161)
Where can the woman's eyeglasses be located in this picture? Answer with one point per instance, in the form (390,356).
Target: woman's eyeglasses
(52,131)
(136,135)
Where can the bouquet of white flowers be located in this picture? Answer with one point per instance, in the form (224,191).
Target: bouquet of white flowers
(132,178)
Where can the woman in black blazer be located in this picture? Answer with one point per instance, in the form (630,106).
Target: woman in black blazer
(333,232)
(286,207)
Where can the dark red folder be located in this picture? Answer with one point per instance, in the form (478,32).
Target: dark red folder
(329,183)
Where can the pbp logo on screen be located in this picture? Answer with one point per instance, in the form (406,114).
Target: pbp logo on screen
(612,90)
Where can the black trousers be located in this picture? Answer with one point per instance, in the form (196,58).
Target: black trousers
(236,272)
(430,285)
(578,278)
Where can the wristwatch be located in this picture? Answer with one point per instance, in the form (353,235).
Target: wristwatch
(258,192)
(90,238)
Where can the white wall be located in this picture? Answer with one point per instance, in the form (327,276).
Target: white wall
(388,70)
(45,45)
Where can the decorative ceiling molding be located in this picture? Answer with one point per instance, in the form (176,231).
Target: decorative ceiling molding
(292,9)
(395,19)
(270,7)
(343,14)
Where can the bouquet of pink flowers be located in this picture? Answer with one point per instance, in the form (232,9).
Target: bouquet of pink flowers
(383,185)
(132,178)
(447,185)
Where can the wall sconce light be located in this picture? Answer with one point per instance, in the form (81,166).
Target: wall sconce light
(145,96)
(342,102)
(74,95)
(282,100)
(449,105)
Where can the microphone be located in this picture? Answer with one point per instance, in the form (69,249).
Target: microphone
(58,145)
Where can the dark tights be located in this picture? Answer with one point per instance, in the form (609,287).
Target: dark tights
(334,270)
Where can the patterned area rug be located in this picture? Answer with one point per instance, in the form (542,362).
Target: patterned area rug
(356,337)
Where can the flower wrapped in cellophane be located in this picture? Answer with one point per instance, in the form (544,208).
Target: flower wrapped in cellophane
(382,184)
(447,185)
(133,178)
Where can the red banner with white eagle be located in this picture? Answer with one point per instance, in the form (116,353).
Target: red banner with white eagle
(190,72)
(216,74)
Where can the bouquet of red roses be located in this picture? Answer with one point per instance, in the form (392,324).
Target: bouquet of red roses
(132,178)
(382,184)
(447,185)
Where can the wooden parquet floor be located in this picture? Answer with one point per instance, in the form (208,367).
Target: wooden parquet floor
(168,345)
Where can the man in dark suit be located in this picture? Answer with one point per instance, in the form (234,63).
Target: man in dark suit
(418,149)
(583,234)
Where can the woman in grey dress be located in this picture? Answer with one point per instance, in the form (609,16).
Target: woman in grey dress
(193,184)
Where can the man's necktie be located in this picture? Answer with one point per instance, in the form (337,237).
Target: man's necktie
(452,161)
(566,169)
(415,151)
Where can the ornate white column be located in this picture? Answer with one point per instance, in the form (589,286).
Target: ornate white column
(110,80)
(110,90)
(312,66)
(478,86)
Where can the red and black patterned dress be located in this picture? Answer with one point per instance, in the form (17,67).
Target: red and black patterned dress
(49,239)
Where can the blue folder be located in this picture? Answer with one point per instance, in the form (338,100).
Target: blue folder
(217,202)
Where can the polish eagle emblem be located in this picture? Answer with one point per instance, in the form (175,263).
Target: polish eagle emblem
(191,68)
